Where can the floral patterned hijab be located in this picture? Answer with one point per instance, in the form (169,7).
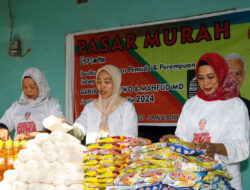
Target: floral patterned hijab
(227,88)
(44,89)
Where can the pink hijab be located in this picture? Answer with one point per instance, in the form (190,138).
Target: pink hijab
(227,88)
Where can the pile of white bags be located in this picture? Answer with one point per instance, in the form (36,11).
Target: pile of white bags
(50,162)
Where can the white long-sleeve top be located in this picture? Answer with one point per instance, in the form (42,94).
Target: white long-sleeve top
(122,122)
(227,122)
(25,118)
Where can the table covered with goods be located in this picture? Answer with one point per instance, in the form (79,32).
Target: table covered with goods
(57,161)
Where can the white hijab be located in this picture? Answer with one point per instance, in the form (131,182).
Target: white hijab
(108,105)
(44,89)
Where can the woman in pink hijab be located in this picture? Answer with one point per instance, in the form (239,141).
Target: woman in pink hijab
(227,124)
(109,114)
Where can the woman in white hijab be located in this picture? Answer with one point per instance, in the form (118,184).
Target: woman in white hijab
(110,114)
(25,115)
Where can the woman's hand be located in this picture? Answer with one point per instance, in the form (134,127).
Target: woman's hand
(28,136)
(211,148)
(4,134)
(165,138)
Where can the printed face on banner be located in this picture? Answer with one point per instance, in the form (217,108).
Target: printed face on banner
(237,69)
(207,79)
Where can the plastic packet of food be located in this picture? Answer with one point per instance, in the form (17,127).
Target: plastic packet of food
(149,147)
(182,147)
(188,166)
(203,161)
(177,178)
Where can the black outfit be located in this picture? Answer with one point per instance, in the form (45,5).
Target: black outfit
(247,102)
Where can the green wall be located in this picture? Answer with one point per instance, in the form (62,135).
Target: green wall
(43,24)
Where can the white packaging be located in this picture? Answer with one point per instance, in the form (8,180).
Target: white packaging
(33,177)
(47,146)
(69,146)
(19,165)
(19,185)
(61,187)
(22,175)
(32,145)
(46,187)
(4,185)
(32,165)
(37,155)
(73,167)
(69,156)
(76,187)
(25,154)
(45,164)
(54,124)
(60,178)
(34,186)
(57,136)
(46,176)
(51,155)
(41,138)
(10,176)
(57,166)
(74,178)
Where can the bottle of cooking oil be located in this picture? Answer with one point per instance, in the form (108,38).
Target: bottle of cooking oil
(23,144)
(8,154)
(2,160)
(16,149)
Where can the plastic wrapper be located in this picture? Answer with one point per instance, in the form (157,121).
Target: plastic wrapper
(46,176)
(69,156)
(37,154)
(59,178)
(177,178)
(34,186)
(47,146)
(10,176)
(32,165)
(182,147)
(53,124)
(24,155)
(57,136)
(57,166)
(5,185)
(22,175)
(204,162)
(74,178)
(61,187)
(19,165)
(32,145)
(46,187)
(19,185)
(73,166)
(33,177)
(188,166)
(75,187)
(51,155)
(149,147)
(41,138)
(69,146)
(44,164)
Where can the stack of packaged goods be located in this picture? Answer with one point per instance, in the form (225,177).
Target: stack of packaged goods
(8,154)
(50,162)
(103,160)
(174,165)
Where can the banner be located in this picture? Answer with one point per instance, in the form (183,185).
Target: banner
(157,61)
